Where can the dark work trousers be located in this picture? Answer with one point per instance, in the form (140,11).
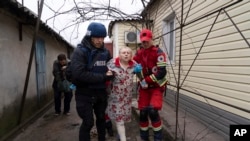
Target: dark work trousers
(95,101)
(58,98)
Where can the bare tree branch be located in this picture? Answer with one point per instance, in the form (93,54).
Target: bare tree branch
(89,10)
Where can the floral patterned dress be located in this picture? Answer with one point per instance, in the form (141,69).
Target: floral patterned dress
(120,98)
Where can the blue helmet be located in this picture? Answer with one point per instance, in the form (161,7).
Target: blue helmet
(96,30)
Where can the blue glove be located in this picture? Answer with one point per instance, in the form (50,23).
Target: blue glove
(137,68)
(72,87)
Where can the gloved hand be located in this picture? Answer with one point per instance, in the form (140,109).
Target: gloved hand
(72,87)
(144,84)
(137,68)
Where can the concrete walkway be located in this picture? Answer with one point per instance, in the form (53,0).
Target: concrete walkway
(188,129)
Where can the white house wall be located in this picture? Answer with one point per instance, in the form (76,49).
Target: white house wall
(53,49)
(14,59)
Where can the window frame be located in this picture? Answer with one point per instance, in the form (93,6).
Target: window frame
(169,39)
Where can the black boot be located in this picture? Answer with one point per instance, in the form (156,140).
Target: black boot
(144,135)
(158,135)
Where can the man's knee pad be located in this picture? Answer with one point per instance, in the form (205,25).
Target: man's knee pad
(153,114)
(144,115)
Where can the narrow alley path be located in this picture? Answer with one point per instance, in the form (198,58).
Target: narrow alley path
(66,128)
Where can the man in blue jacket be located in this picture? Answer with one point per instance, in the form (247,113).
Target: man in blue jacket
(89,74)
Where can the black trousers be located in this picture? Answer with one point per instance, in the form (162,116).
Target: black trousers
(58,98)
(86,106)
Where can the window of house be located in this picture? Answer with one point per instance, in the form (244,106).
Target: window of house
(169,37)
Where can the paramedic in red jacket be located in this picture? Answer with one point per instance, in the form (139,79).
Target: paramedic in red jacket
(152,85)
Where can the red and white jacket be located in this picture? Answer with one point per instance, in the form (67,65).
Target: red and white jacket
(153,61)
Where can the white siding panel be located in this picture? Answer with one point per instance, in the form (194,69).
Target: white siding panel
(227,89)
(219,87)
(243,6)
(217,31)
(122,27)
(206,8)
(220,62)
(244,70)
(187,6)
(203,28)
(241,44)
(221,76)
(159,16)
(219,105)
(238,15)
(236,98)
(222,69)
(214,41)
(222,54)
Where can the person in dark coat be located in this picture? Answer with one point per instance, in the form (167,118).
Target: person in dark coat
(89,74)
(59,67)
